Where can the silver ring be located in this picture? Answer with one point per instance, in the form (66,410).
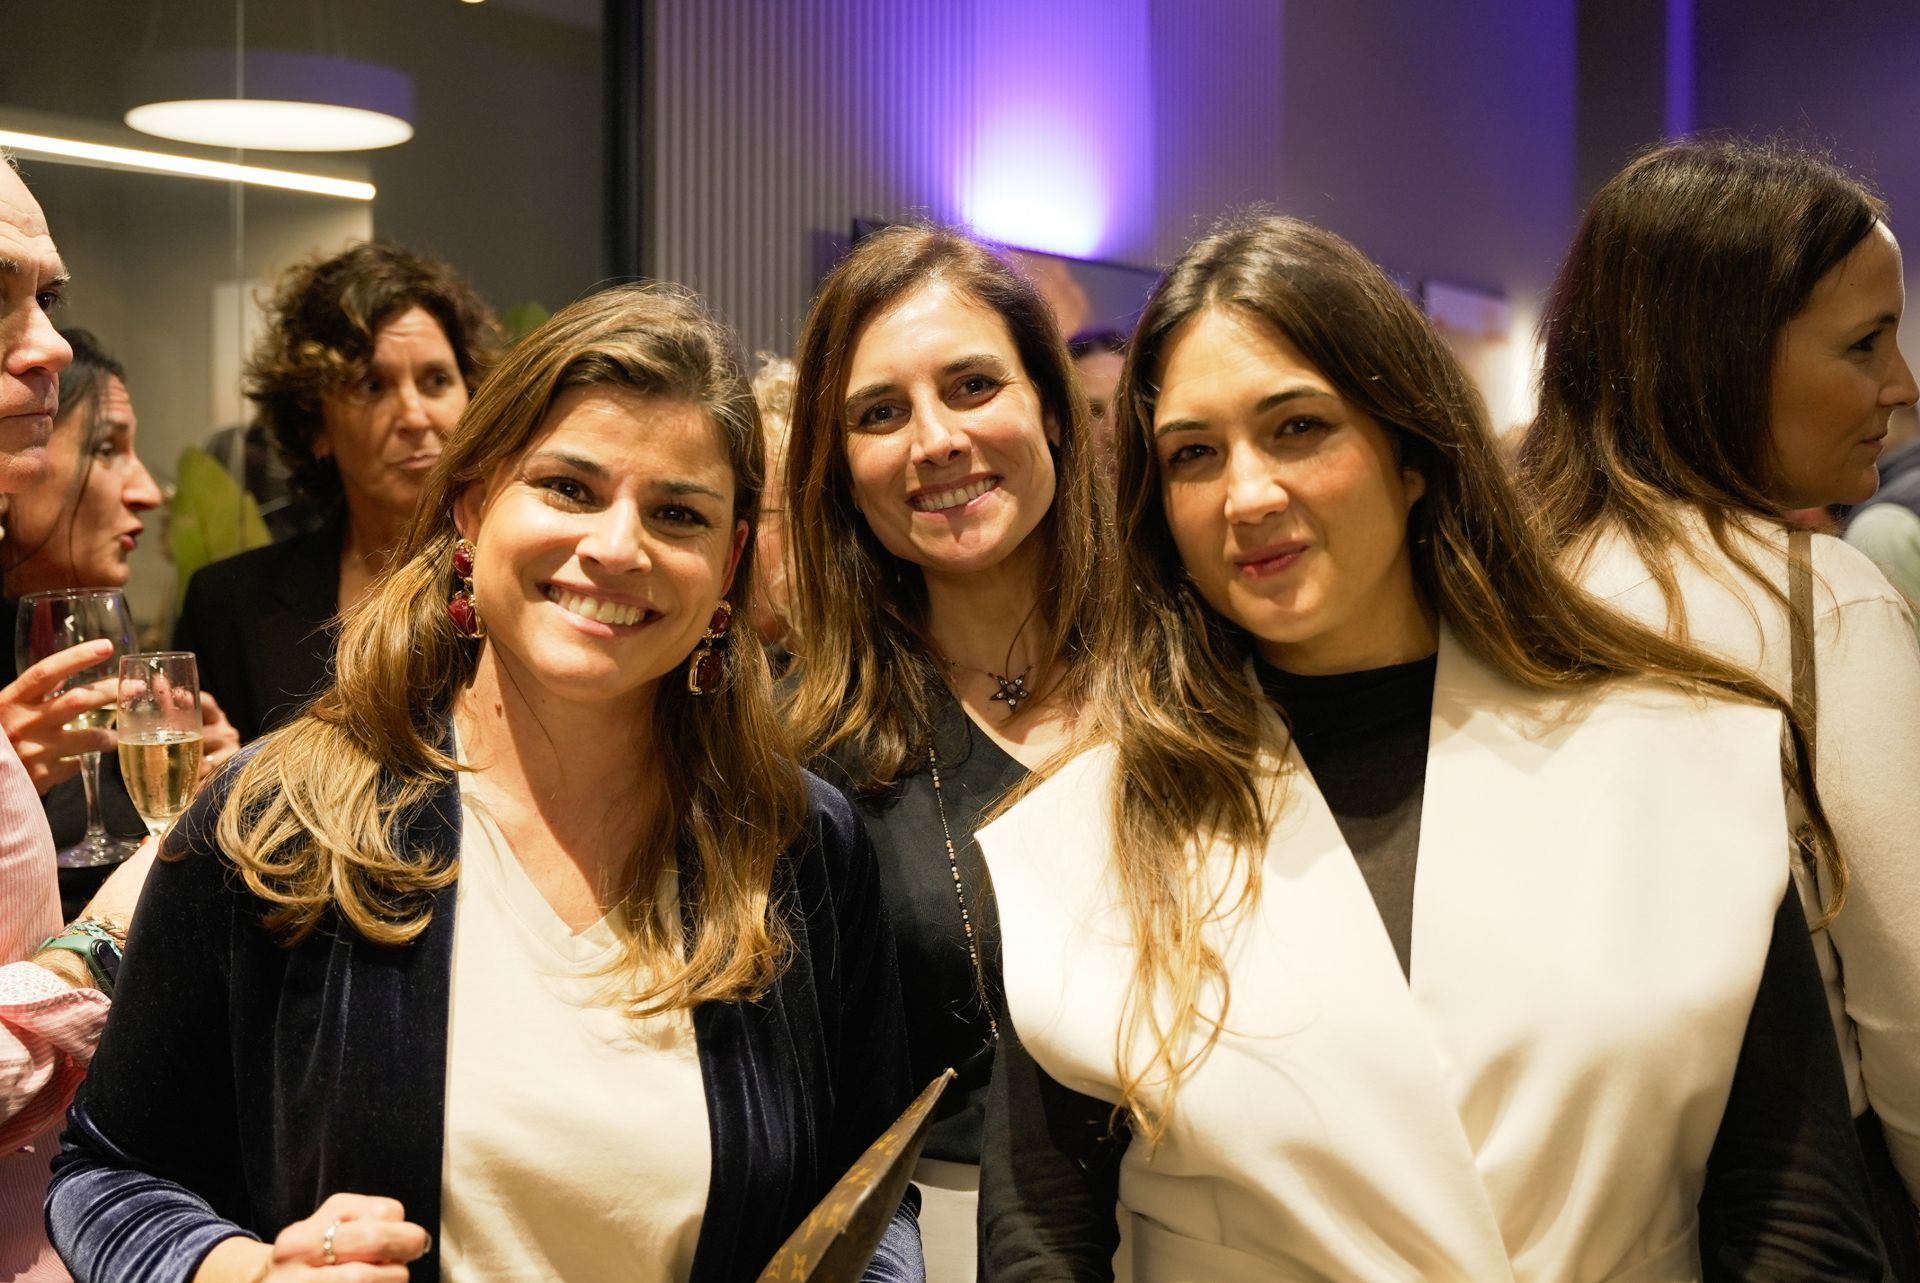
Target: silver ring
(326,1243)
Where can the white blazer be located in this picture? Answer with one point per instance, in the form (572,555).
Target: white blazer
(1867,760)
(1596,889)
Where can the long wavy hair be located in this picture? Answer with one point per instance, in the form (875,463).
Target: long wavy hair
(1661,333)
(1177,705)
(867,688)
(311,819)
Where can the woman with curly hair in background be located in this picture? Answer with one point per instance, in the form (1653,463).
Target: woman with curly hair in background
(369,359)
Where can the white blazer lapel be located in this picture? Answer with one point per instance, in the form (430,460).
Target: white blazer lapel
(1592,908)
(1319,997)
(1318,1135)
(1595,891)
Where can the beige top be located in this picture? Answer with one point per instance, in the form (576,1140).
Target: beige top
(577,1146)
(1867,756)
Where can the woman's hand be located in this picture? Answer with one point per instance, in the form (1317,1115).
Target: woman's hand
(35,719)
(113,903)
(370,1237)
(219,738)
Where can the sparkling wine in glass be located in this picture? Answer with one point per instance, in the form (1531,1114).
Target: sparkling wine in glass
(158,730)
(49,623)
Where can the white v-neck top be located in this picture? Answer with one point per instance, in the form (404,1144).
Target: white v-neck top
(577,1145)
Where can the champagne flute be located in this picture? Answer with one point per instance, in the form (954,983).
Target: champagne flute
(49,623)
(158,729)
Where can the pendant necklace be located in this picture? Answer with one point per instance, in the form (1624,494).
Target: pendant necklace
(1013,690)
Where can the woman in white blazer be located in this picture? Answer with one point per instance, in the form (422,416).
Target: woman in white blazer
(1721,348)
(1335,656)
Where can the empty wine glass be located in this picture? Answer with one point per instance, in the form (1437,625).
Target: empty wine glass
(49,623)
(158,731)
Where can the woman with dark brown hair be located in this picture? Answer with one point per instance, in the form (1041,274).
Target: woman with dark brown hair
(528,951)
(1334,655)
(368,360)
(78,530)
(941,514)
(1721,348)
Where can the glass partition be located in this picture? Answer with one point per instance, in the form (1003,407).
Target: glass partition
(500,174)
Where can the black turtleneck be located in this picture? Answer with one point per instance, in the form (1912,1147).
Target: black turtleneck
(1364,738)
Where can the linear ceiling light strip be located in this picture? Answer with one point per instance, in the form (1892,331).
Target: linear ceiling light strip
(156,162)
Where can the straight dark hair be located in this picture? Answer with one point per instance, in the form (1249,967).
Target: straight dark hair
(1660,337)
(81,384)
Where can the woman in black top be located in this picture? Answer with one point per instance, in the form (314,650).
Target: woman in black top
(941,509)
(1582,1045)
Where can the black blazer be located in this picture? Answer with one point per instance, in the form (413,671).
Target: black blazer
(260,1078)
(261,624)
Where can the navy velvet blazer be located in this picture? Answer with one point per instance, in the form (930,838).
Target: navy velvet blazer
(240,1082)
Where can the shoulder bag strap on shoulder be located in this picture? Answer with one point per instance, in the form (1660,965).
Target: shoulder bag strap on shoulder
(1806,694)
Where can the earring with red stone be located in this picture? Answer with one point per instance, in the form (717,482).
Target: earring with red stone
(460,608)
(708,667)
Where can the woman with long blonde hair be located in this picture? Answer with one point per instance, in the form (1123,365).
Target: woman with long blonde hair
(528,951)
(941,504)
(1334,655)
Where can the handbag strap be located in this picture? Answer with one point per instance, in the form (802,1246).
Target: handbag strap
(1806,700)
(1806,688)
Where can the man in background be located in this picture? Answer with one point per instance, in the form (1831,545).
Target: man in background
(1097,358)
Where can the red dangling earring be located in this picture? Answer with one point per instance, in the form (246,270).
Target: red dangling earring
(460,608)
(708,667)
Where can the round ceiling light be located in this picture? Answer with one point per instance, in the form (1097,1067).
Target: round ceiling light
(271,101)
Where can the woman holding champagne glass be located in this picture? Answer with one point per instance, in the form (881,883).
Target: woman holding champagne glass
(68,541)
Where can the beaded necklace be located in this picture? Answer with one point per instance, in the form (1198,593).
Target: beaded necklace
(960,894)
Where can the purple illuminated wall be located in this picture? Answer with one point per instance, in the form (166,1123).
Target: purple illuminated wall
(1838,76)
(1058,152)
(1438,136)
(777,124)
